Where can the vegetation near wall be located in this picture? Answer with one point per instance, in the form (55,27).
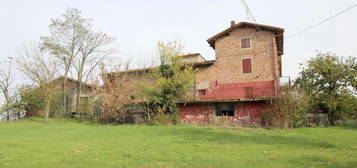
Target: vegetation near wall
(326,84)
(289,109)
(33,102)
(109,102)
(171,79)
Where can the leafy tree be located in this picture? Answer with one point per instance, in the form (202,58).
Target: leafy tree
(170,81)
(331,82)
(74,42)
(64,42)
(32,99)
(95,48)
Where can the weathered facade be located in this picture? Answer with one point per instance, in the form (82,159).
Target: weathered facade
(243,76)
(87,91)
(235,86)
(57,101)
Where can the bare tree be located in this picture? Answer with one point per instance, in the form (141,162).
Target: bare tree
(39,68)
(95,46)
(65,41)
(112,98)
(5,84)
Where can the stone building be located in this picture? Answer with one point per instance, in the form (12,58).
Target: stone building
(236,85)
(243,76)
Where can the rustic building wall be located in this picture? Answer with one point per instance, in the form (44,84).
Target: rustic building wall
(245,114)
(225,78)
(124,85)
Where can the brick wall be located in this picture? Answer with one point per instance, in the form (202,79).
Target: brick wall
(227,70)
(245,114)
(225,78)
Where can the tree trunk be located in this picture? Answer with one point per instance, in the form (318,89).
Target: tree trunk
(331,119)
(7,115)
(65,93)
(78,96)
(47,109)
(18,115)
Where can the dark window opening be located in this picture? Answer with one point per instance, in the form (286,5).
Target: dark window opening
(245,43)
(132,97)
(225,110)
(247,65)
(202,92)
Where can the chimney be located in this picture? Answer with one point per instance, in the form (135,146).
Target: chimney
(232,23)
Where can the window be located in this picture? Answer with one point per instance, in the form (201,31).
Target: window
(225,110)
(245,43)
(247,65)
(202,92)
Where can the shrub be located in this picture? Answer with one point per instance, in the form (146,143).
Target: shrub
(288,110)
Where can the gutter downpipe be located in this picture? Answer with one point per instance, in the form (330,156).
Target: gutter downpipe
(274,68)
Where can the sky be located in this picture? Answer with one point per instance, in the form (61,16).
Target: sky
(139,24)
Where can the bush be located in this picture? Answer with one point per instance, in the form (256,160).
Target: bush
(288,110)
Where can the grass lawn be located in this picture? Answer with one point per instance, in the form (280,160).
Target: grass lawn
(65,143)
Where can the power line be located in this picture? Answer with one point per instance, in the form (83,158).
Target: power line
(250,13)
(322,21)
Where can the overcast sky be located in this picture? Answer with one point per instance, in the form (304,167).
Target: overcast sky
(139,24)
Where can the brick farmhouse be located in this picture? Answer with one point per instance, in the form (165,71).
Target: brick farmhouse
(237,84)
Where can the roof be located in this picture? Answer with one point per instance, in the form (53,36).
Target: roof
(194,64)
(279,33)
(132,70)
(74,80)
(192,55)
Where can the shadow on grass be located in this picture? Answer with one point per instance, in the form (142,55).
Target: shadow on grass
(318,161)
(223,137)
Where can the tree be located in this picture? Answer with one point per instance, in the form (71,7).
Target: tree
(65,41)
(32,99)
(95,46)
(41,69)
(5,86)
(330,81)
(170,81)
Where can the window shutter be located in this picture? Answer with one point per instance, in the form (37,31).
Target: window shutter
(247,65)
(245,43)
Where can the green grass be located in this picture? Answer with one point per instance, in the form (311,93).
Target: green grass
(65,143)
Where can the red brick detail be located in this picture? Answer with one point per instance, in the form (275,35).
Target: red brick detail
(241,90)
(250,113)
(246,114)
(196,113)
